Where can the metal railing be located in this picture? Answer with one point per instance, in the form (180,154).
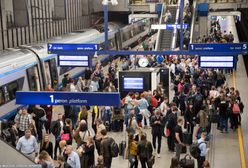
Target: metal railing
(174,34)
(192,22)
(159,31)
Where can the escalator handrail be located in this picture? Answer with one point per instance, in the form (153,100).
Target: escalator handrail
(174,34)
(159,31)
(192,23)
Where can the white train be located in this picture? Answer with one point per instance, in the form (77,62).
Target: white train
(31,68)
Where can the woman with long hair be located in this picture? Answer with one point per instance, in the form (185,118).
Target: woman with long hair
(46,145)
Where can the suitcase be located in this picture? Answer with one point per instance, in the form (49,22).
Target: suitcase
(187,162)
(122,148)
(184,150)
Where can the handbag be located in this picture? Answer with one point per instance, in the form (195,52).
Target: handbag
(187,162)
(236,109)
(151,161)
(65,137)
(43,118)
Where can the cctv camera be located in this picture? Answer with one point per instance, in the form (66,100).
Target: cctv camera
(114,2)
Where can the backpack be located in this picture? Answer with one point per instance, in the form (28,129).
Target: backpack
(114,148)
(235,108)
(198,99)
(195,150)
(55,127)
(6,135)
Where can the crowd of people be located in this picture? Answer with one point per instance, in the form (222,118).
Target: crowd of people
(201,97)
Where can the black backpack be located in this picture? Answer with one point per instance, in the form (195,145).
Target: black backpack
(6,134)
(198,99)
(114,148)
(55,128)
(195,150)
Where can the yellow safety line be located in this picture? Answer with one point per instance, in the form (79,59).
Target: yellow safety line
(240,136)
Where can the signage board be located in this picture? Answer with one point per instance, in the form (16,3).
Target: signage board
(54,48)
(74,61)
(68,98)
(169,26)
(216,61)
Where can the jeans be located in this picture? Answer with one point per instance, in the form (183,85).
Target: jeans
(154,138)
(178,150)
(147,121)
(223,123)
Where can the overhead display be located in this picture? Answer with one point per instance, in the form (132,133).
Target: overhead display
(133,83)
(74,61)
(216,61)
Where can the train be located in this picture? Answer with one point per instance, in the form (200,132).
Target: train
(31,68)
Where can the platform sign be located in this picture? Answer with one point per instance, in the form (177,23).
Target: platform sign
(68,98)
(74,61)
(59,48)
(216,61)
(234,48)
(169,26)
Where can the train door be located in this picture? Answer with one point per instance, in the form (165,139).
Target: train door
(51,72)
(33,78)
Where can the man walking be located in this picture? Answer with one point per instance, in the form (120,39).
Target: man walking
(27,144)
(157,128)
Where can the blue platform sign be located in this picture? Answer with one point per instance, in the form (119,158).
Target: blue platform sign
(68,98)
(169,26)
(234,48)
(58,48)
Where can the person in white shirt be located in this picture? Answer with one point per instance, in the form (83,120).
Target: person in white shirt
(167,16)
(28,145)
(203,148)
(73,158)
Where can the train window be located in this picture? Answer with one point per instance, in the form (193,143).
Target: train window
(54,73)
(48,74)
(2,100)
(8,91)
(12,88)
(63,70)
(33,79)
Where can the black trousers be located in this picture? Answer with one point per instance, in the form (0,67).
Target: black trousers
(156,137)
(200,161)
(135,163)
(56,148)
(144,163)
(107,161)
(171,141)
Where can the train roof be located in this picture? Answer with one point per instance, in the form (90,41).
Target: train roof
(13,60)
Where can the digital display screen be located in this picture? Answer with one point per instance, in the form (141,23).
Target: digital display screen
(74,61)
(216,61)
(133,83)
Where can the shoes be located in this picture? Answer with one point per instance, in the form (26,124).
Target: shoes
(158,155)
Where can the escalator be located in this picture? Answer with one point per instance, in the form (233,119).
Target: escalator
(10,157)
(166,35)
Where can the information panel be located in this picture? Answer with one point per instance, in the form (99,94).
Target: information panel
(68,98)
(133,83)
(238,48)
(59,48)
(169,26)
(74,61)
(216,61)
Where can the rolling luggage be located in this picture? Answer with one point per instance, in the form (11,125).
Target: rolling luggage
(184,149)
(187,136)
(187,162)
(122,148)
